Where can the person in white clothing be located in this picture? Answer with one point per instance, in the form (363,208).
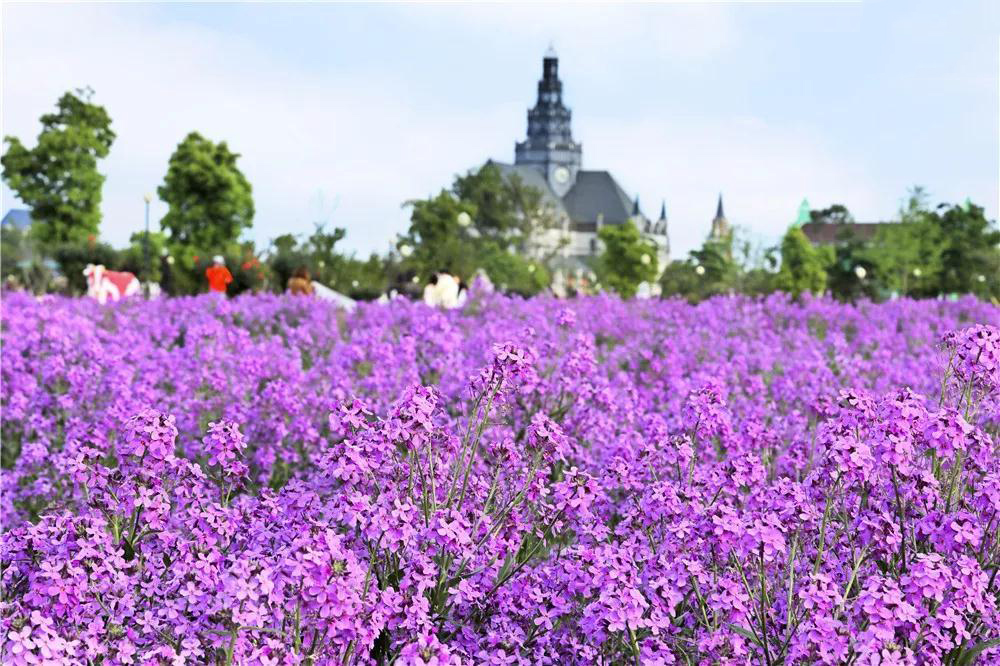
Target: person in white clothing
(442,291)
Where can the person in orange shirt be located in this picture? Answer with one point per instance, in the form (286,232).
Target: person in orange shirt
(218,276)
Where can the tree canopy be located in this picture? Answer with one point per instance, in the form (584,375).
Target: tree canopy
(210,200)
(487,221)
(801,265)
(627,259)
(58,178)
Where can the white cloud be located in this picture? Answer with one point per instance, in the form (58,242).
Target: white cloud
(362,138)
(762,170)
(347,139)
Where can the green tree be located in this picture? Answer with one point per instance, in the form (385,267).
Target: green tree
(851,271)
(681,279)
(210,201)
(487,220)
(507,211)
(73,257)
(515,273)
(801,265)
(906,256)
(834,214)
(627,260)
(58,178)
(133,258)
(437,241)
(970,256)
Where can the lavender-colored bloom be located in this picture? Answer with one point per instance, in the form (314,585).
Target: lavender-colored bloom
(264,480)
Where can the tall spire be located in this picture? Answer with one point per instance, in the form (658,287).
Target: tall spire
(635,208)
(803,215)
(720,225)
(663,210)
(549,144)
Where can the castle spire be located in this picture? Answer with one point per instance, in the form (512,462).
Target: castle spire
(549,145)
(635,208)
(663,210)
(803,214)
(720,225)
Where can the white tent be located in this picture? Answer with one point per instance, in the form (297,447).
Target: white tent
(327,294)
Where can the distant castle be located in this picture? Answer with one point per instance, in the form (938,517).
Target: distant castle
(582,200)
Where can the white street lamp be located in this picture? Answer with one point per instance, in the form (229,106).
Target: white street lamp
(645,260)
(699,269)
(464,219)
(148,198)
(860,272)
(916,272)
(405,250)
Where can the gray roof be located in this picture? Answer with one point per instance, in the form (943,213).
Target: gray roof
(831,233)
(19,218)
(531,176)
(594,193)
(597,193)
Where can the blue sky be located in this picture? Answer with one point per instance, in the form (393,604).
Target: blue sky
(343,112)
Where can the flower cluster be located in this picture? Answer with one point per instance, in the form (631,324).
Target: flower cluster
(267,480)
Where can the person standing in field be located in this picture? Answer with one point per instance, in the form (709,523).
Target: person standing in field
(218,275)
(300,282)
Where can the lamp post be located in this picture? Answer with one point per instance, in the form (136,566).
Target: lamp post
(148,198)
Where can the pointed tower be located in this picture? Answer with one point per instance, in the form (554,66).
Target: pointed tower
(803,216)
(720,225)
(549,144)
(661,237)
(660,227)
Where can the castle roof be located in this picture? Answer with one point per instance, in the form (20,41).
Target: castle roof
(831,233)
(17,218)
(595,195)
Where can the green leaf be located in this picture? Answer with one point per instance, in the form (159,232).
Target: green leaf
(969,656)
(747,634)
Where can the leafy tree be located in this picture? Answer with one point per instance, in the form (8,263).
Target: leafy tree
(515,273)
(801,265)
(58,178)
(628,259)
(210,200)
(486,221)
(361,279)
(436,239)
(851,272)
(133,258)
(507,211)
(906,256)
(834,214)
(970,256)
(719,272)
(680,278)
(73,257)
(731,264)
(23,263)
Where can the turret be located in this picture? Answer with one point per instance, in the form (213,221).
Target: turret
(550,145)
(720,225)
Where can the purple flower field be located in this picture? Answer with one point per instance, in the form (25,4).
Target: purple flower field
(269,480)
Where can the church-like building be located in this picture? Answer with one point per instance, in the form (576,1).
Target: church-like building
(581,200)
